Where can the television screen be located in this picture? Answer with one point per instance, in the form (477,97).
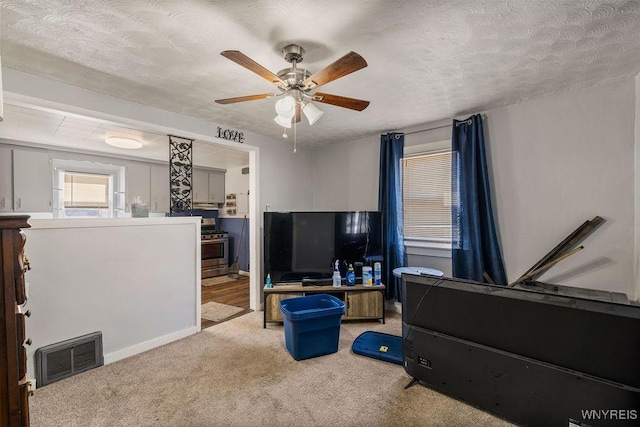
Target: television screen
(305,245)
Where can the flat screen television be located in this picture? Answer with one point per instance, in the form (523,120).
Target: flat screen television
(303,246)
(536,358)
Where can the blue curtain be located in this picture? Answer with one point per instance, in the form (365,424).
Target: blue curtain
(475,248)
(390,204)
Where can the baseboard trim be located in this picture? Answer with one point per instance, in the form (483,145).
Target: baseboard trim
(148,345)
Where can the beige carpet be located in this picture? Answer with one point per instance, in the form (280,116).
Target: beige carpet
(238,374)
(217,280)
(216,312)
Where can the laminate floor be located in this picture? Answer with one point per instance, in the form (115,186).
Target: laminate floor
(234,293)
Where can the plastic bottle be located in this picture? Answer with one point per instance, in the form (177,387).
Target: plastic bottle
(351,276)
(377,273)
(337,280)
(269,284)
(367,276)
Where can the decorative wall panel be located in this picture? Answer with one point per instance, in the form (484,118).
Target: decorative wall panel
(181,174)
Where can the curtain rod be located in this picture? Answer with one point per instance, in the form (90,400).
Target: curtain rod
(426,130)
(437,127)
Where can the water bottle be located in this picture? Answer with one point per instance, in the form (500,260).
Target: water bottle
(377,273)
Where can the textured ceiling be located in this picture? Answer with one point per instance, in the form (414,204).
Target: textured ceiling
(428,60)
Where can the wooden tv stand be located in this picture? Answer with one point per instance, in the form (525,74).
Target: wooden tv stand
(362,302)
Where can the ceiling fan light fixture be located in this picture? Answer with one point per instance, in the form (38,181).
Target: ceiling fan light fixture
(122,142)
(286,107)
(283,121)
(312,113)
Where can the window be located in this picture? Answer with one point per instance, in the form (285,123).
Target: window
(426,196)
(86,194)
(85,189)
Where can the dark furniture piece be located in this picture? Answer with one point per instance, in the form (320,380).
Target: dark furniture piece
(534,358)
(14,385)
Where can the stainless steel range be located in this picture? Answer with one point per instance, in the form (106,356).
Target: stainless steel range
(214,252)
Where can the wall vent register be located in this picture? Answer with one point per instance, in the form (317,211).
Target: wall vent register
(64,359)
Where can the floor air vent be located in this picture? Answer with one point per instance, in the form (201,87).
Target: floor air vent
(64,359)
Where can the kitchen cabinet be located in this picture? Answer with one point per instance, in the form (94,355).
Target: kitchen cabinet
(6,180)
(208,187)
(200,186)
(137,178)
(216,187)
(363,305)
(32,181)
(159,189)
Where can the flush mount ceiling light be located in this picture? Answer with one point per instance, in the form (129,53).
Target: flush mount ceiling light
(296,85)
(122,142)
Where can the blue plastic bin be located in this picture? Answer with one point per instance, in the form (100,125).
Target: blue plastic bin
(312,325)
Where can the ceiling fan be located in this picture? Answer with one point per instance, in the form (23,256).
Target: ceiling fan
(296,84)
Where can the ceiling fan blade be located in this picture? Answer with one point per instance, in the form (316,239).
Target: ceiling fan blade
(245,98)
(251,65)
(341,101)
(346,65)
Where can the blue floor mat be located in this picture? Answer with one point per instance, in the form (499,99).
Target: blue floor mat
(379,346)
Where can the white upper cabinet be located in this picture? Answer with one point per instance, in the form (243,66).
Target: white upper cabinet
(208,186)
(159,189)
(6,180)
(216,187)
(200,186)
(32,181)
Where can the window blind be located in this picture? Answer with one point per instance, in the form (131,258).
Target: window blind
(83,190)
(426,196)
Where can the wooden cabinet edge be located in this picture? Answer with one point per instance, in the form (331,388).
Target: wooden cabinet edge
(298,290)
(15,386)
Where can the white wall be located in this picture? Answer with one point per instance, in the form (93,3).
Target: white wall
(286,178)
(555,163)
(135,280)
(346,175)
